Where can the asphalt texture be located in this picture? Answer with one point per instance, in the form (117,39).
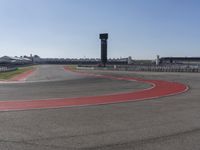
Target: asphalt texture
(168,123)
(52,81)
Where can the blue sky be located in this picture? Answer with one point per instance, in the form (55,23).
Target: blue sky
(69,28)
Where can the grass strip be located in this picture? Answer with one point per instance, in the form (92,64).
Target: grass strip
(72,67)
(11,74)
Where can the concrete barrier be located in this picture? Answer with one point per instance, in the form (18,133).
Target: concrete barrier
(85,68)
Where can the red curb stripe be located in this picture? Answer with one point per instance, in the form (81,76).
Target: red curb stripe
(160,89)
(22,76)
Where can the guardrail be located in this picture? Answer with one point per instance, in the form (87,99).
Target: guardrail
(6,69)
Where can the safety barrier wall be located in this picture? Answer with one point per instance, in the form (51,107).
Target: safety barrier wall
(153,68)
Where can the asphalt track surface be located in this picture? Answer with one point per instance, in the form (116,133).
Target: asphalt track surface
(158,89)
(49,82)
(164,123)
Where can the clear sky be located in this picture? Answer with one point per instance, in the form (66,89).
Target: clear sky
(69,28)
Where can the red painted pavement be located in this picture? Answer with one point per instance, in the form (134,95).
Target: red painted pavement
(22,76)
(159,89)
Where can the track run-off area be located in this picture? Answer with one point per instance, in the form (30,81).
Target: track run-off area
(157,89)
(145,110)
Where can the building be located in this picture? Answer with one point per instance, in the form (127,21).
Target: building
(180,60)
(14,60)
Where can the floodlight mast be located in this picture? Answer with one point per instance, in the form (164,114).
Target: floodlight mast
(103,37)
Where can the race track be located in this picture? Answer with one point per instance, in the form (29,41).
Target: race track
(167,123)
(55,73)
